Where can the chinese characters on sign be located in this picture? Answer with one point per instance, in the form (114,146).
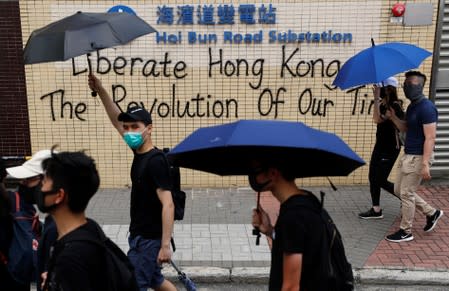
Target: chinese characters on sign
(228,14)
(211,15)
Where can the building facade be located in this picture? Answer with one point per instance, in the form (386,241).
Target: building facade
(210,63)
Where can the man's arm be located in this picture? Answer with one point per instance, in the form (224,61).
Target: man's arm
(430,130)
(168,216)
(399,123)
(291,268)
(111,108)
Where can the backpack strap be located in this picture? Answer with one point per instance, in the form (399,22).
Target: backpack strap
(156,152)
(17,200)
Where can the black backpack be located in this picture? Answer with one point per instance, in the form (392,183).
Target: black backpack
(27,229)
(117,265)
(179,196)
(335,266)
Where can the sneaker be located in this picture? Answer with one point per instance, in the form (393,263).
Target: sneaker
(371,214)
(432,220)
(399,236)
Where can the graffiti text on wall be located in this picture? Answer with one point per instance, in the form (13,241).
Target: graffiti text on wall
(269,101)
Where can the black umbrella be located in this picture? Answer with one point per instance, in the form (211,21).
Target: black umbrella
(188,284)
(82,33)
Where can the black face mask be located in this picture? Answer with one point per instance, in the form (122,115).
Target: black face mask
(29,194)
(413,92)
(258,187)
(40,201)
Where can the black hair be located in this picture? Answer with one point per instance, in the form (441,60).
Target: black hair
(284,167)
(391,94)
(418,74)
(76,173)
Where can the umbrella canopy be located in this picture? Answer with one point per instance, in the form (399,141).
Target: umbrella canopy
(231,148)
(379,62)
(82,33)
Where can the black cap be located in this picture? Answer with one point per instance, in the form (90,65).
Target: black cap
(135,113)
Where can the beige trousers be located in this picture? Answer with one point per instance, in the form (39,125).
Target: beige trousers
(408,178)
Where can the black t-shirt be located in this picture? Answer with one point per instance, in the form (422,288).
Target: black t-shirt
(298,230)
(77,265)
(386,136)
(149,171)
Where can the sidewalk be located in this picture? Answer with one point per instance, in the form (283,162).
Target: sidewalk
(215,242)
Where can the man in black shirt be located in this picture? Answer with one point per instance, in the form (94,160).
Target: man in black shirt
(152,208)
(70,181)
(297,235)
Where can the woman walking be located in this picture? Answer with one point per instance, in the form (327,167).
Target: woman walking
(387,147)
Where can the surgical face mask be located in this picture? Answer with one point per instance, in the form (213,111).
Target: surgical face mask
(256,186)
(133,139)
(29,194)
(413,92)
(40,201)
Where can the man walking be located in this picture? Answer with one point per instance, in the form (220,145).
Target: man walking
(152,208)
(71,179)
(30,175)
(420,125)
(299,234)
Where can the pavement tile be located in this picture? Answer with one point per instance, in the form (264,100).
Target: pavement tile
(216,230)
(427,250)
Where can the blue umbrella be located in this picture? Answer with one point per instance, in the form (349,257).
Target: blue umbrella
(182,277)
(377,63)
(230,149)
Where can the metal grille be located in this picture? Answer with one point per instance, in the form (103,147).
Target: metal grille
(441,90)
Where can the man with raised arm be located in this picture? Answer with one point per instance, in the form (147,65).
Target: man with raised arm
(152,208)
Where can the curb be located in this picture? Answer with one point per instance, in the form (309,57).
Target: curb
(364,276)
(402,277)
(221,275)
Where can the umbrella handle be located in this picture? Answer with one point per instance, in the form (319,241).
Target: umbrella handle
(256,230)
(89,64)
(175,267)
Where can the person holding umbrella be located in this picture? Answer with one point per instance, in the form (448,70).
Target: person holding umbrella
(152,207)
(272,153)
(387,147)
(414,166)
(296,255)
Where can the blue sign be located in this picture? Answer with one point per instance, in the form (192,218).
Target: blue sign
(211,15)
(121,8)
